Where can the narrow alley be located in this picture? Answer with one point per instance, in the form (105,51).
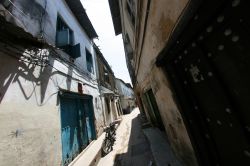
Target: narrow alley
(131,146)
(124,83)
(139,146)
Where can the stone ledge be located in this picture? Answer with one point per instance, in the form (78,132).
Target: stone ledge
(91,154)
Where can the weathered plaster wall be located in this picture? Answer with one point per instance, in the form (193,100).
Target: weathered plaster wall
(30,129)
(126,94)
(39,17)
(29,103)
(30,110)
(126,23)
(162,17)
(173,121)
(123,89)
(109,115)
(114,110)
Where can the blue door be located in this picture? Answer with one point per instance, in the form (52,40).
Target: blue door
(82,123)
(77,125)
(89,119)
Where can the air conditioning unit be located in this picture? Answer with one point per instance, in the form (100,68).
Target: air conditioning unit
(63,38)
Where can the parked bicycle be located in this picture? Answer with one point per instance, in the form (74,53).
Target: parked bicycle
(109,140)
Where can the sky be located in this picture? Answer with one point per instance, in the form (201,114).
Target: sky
(110,45)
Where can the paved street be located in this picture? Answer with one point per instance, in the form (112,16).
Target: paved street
(131,147)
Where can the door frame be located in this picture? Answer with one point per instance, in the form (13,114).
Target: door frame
(195,17)
(152,108)
(89,99)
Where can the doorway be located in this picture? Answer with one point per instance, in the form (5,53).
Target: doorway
(152,108)
(210,75)
(77,124)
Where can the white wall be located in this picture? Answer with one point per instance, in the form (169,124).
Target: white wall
(34,23)
(126,95)
(124,90)
(29,103)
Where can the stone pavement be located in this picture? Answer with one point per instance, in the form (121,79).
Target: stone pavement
(160,148)
(131,147)
(134,146)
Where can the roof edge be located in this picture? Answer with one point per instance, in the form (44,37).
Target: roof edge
(116,16)
(78,10)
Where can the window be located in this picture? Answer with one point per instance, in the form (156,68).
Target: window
(65,39)
(89,61)
(106,75)
(128,47)
(64,33)
(107,104)
(131,10)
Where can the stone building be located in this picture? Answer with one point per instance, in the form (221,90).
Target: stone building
(109,97)
(50,105)
(126,94)
(190,70)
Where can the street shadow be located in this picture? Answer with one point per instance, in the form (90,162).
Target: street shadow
(138,152)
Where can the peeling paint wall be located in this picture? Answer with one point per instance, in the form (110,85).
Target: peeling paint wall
(29,94)
(30,132)
(30,111)
(152,33)
(126,23)
(109,113)
(103,69)
(124,90)
(171,116)
(39,18)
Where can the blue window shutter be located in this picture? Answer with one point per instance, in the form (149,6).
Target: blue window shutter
(76,51)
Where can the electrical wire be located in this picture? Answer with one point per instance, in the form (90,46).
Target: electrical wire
(19,10)
(74,65)
(46,64)
(58,57)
